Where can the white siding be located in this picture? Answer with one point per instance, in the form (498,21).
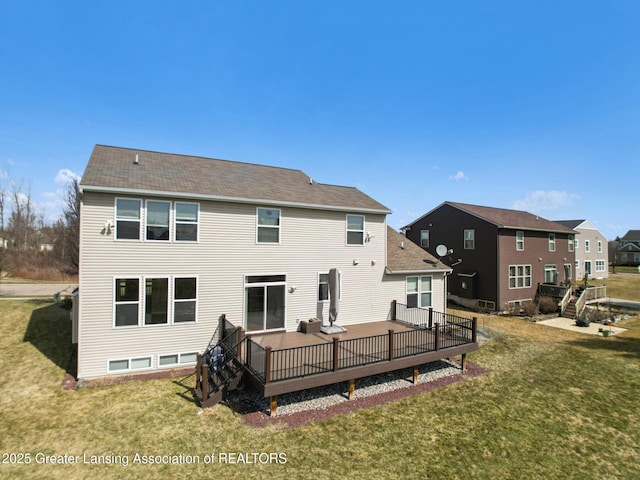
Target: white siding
(311,241)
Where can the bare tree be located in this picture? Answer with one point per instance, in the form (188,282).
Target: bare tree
(70,248)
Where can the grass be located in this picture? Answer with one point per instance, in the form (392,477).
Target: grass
(556,404)
(621,286)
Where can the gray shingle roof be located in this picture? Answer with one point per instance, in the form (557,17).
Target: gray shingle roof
(405,256)
(114,169)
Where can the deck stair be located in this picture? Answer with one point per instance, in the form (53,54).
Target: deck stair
(219,372)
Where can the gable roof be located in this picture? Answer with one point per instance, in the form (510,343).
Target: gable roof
(404,256)
(138,172)
(570,223)
(506,218)
(632,235)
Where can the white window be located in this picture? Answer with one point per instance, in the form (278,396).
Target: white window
(572,241)
(577,244)
(552,242)
(156,301)
(185,299)
(469,239)
(520,240)
(419,291)
(157,220)
(424,238)
(550,274)
(128,219)
(577,265)
(601,266)
(129,364)
(323,287)
(355,230)
(174,359)
(127,302)
(599,246)
(519,276)
(265,302)
(268,225)
(186,221)
(587,246)
(587,267)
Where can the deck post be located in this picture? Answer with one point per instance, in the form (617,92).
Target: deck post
(267,365)
(416,371)
(198,369)
(430,318)
(394,309)
(273,405)
(205,382)
(474,329)
(437,336)
(249,351)
(463,362)
(391,346)
(221,324)
(352,388)
(336,351)
(240,338)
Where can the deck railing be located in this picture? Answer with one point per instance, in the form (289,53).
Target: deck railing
(274,365)
(590,293)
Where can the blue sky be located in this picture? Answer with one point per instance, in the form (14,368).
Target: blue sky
(533,105)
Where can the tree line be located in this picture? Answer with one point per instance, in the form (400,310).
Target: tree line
(29,246)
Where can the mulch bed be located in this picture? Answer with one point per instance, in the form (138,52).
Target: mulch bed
(260,419)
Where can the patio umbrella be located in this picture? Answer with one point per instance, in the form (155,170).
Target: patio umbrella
(334,296)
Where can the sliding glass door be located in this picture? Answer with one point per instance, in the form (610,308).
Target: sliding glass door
(264,302)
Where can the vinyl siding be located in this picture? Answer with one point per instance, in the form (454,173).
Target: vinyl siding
(311,241)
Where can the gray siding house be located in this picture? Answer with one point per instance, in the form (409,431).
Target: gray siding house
(591,249)
(169,243)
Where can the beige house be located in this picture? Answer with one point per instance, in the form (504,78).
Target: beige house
(169,243)
(591,250)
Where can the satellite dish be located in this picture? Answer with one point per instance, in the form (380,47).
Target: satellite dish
(441,250)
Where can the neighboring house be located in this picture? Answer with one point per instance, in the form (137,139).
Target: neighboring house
(628,252)
(591,250)
(169,243)
(498,256)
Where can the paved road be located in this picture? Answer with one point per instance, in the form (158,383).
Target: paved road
(35,289)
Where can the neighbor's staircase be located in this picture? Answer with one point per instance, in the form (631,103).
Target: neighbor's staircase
(570,310)
(219,370)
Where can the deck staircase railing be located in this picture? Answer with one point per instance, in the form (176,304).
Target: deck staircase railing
(220,369)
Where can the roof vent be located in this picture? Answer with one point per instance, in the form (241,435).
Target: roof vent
(136,161)
(310,181)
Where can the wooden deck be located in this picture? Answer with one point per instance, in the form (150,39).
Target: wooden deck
(290,361)
(282,362)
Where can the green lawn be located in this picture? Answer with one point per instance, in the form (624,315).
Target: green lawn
(556,404)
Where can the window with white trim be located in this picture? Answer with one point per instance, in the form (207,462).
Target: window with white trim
(552,242)
(519,276)
(577,265)
(599,246)
(268,225)
(587,246)
(129,364)
(550,274)
(469,239)
(174,359)
(184,299)
(156,301)
(419,291)
(186,221)
(601,266)
(355,230)
(424,238)
(127,302)
(587,267)
(128,218)
(571,243)
(323,287)
(520,241)
(157,220)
